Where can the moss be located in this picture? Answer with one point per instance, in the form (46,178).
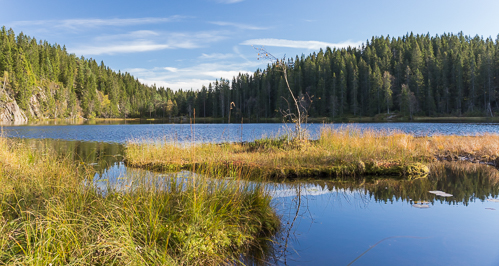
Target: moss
(416,169)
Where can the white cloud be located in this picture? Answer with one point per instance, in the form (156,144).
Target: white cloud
(215,56)
(144,41)
(312,45)
(132,47)
(238,25)
(95,22)
(187,84)
(193,77)
(225,74)
(171,69)
(229,1)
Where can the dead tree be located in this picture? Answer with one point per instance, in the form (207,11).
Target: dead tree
(299,117)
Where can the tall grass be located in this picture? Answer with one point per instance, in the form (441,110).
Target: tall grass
(484,147)
(344,151)
(51,213)
(350,143)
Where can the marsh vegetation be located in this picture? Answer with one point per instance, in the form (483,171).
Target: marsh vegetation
(345,151)
(60,205)
(51,212)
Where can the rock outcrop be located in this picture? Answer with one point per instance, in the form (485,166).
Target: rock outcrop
(34,103)
(10,111)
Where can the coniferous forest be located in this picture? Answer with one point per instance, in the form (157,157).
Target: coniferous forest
(412,75)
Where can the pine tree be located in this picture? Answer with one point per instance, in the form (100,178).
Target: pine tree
(24,80)
(387,91)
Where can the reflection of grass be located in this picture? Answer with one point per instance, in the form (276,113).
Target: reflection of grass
(49,216)
(337,152)
(465,181)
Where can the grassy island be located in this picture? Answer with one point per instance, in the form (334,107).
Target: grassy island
(347,151)
(51,213)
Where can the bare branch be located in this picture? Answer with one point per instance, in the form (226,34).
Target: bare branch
(281,63)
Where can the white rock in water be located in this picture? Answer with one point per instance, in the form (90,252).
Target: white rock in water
(440,193)
(493,200)
(420,206)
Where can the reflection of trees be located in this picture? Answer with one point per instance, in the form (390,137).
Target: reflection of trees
(101,155)
(465,181)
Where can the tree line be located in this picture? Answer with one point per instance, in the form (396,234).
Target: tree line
(450,74)
(74,86)
(447,75)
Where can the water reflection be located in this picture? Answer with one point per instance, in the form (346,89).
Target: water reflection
(102,156)
(375,222)
(464,181)
(367,221)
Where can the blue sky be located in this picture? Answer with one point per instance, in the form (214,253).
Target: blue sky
(185,44)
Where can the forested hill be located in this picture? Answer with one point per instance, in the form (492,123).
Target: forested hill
(44,81)
(410,75)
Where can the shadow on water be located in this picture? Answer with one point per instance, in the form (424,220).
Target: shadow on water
(353,221)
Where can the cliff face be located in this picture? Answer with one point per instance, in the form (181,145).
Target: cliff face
(10,111)
(35,101)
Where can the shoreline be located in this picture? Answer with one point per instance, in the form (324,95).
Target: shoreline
(210,120)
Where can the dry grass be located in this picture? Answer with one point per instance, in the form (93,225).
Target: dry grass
(483,147)
(52,214)
(344,151)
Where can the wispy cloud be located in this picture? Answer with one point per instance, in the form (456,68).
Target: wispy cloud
(312,45)
(132,47)
(96,22)
(140,34)
(229,1)
(236,50)
(145,41)
(216,56)
(238,25)
(171,69)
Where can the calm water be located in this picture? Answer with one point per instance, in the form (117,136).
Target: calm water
(221,132)
(335,223)
(367,222)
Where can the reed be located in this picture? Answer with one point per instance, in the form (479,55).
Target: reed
(346,151)
(52,213)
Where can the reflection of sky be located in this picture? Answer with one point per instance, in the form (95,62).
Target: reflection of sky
(335,228)
(221,132)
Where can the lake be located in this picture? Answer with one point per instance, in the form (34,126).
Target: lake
(379,221)
(120,133)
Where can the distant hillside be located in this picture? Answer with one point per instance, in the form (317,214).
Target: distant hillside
(410,75)
(40,80)
(448,75)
